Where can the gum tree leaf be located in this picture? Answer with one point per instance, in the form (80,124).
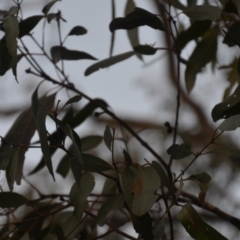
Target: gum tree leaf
(77,30)
(204,52)
(234,33)
(74,99)
(159,230)
(5,155)
(108,138)
(41,118)
(48,6)
(28,24)
(127,157)
(59,232)
(113,203)
(133,35)
(90,142)
(145,49)
(230,124)
(11,200)
(178,151)
(108,62)
(64,166)
(79,193)
(175,3)
(61,53)
(164,179)
(203,12)
(229,107)
(195,226)
(13,10)
(113,6)
(139,17)
(95,164)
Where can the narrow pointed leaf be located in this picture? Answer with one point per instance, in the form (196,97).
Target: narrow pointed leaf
(44,140)
(77,30)
(178,151)
(195,226)
(145,49)
(113,33)
(90,142)
(113,203)
(74,99)
(48,6)
(108,138)
(28,24)
(127,157)
(11,200)
(108,62)
(61,53)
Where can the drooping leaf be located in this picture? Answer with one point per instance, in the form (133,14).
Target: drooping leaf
(203,12)
(139,17)
(229,107)
(95,164)
(90,142)
(127,157)
(11,200)
(48,6)
(233,33)
(133,35)
(204,53)
(108,62)
(79,193)
(28,24)
(178,151)
(145,49)
(110,185)
(41,118)
(164,180)
(64,165)
(113,6)
(5,155)
(195,226)
(230,124)
(108,138)
(74,99)
(139,184)
(77,30)
(61,53)
(196,30)
(113,203)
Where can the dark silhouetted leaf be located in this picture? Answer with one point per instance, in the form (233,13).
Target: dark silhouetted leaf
(229,107)
(203,12)
(145,49)
(204,53)
(79,193)
(41,117)
(64,166)
(175,3)
(61,53)
(159,230)
(108,62)
(139,17)
(195,226)
(196,30)
(113,203)
(90,142)
(108,138)
(77,30)
(164,180)
(48,6)
(230,124)
(178,151)
(11,200)
(59,232)
(127,157)
(5,155)
(233,33)
(95,164)
(28,24)
(74,99)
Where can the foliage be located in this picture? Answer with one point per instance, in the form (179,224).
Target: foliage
(150,196)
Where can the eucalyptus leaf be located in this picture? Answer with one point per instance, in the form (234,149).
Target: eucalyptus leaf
(74,99)
(77,30)
(48,6)
(108,138)
(178,151)
(90,142)
(230,124)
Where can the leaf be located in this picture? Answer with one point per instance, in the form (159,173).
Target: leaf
(95,164)
(195,226)
(74,99)
(145,49)
(108,62)
(61,53)
(204,53)
(11,200)
(139,17)
(141,182)
(5,155)
(59,232)
(196,30)
(175,3)
(233,33)
(164,180)
(234,156)
(127,157)
(113,203)
(133,35)
(178,151)
(79,193)
(77,30)
(229,107)
(113,6)
(28,24)
(90,142)
(203,12)
(158,230)
(41,117)
(108,138)
(230,124)
(13,10)
(48,6)
(64,166)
